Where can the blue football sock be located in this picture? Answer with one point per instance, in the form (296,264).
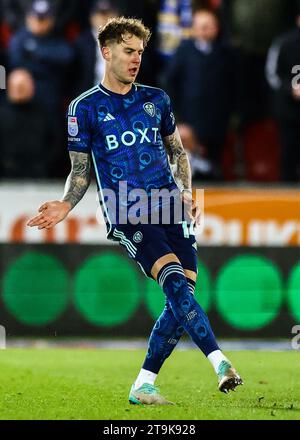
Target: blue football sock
(164,337)
(182,312)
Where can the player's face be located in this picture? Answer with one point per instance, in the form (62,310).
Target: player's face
(125,59)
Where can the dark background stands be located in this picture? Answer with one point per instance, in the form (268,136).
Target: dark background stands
(251,25)
(248,25)
(65,12)
(284,57)
(200,80)
(28,134)
(45,55)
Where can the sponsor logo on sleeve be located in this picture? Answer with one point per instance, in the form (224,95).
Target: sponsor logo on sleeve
(72,126)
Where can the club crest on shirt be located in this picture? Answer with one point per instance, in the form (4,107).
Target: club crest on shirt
(149,108)
(138,237)
(72,126)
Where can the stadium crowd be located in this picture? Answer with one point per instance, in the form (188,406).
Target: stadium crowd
(231,68)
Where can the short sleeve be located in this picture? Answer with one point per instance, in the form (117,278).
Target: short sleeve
(79,134)
(168,124)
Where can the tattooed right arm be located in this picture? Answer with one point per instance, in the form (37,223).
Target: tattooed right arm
(79,179)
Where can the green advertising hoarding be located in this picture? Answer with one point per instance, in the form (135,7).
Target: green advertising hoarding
(98,291)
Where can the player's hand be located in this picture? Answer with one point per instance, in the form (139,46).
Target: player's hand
(50,213)
(194,210)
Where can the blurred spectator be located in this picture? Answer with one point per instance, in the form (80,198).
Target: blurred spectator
(174,24)
(27,133)
(200,79)
(46,56)
(283,65)
(65,11)
(89,64)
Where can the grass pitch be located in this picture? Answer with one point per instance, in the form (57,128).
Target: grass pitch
(94,384)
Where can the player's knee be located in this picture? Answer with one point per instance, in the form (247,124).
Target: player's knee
(161,262)
(171,271)
(191,275)
(173,282)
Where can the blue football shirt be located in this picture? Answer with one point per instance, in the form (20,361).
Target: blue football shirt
(124,135)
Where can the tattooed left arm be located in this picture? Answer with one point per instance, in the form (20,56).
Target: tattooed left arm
(178,157)
(182,174)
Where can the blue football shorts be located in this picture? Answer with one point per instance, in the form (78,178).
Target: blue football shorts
(146,243)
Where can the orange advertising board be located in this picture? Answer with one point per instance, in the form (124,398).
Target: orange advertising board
(231,217)
(251,217)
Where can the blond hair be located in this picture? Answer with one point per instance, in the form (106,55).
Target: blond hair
(115,29)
